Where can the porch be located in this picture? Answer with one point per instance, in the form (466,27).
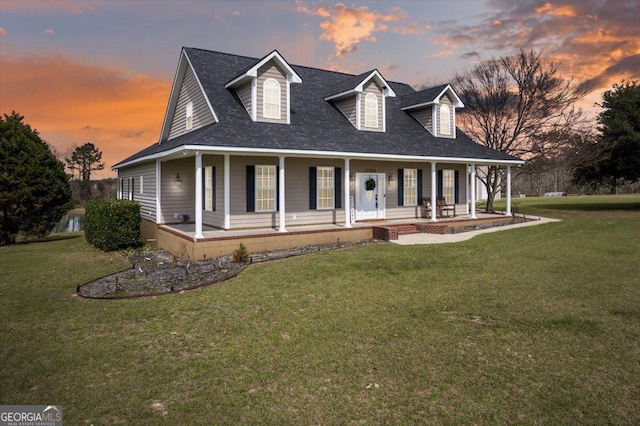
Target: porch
(181,238)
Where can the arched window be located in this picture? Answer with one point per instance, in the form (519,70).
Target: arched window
(271,99)
(445,120)
(371,110)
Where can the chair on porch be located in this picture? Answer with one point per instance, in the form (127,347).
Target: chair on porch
(442,207)
(426,207)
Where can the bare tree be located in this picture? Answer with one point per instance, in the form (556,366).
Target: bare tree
(518,105)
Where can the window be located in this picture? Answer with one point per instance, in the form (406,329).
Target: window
(209,183)
(410,187)
(189,116)
(326,188)
(448,186)
(130,188)
(445,120)
(371,110)
(141,185)
(265,188)
(271,99)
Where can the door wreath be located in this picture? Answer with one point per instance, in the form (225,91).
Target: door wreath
(370,184)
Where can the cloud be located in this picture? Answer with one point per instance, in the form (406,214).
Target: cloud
(72,102)
(593,41)
(346,26)
(71,6)
(469,55)
(3,32)
(49,31)
(442,54)
(414,29)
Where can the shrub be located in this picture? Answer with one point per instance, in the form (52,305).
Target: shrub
(241,254)
(112,224)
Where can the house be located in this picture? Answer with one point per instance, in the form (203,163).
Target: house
(262,146)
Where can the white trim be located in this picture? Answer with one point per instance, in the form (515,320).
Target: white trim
(158,191)
(434,118)
(386,88)
(457,103)
(347,196)
(448,121)
(434,190)
(384,115)
(275,188)
(288,101)
(188,113)
(254,99)
(278,115)
(333,193)
(227,192)
(198,195)
(281,198)
(358,111)
(314,154)
(371,97)
(404,187)
(508,212)
(253,71)
(473,191)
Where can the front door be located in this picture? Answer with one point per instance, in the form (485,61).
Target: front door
(370,197)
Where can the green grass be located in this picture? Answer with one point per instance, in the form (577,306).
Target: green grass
(537,325)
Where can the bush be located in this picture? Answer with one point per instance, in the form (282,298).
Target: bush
(241,254)
(112,224)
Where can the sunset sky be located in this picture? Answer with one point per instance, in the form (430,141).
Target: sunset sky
(101,71)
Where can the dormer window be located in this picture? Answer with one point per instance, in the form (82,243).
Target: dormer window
(371,111)
(189,116)
(445,120)
(271,99)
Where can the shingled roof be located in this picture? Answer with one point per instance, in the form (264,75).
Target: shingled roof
(317,126)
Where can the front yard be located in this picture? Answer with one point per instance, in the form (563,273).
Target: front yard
(538,325)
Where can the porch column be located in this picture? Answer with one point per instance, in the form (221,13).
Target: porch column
(199,195)
(227,192)
(466,182)
(434,191)
(473,191)
(281,199)
(158,191)
(508,190)
(347,206)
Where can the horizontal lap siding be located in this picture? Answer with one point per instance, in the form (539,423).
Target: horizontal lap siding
(244,93)
(240,218)
(147,199)
(271,70)
(190,92)
(178,199)
(424,116)
(348,107)
(215,218)
(371,87)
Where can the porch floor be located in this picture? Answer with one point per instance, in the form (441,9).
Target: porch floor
(211,233)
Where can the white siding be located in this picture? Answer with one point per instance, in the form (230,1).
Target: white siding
(147,200)
(190,92)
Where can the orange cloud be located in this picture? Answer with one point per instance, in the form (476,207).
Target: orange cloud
(71,102)
(71,6)
(3,32)
(442,54)
(347,27)
(549,9)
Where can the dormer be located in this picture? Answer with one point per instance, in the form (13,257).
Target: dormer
(435,109)
(361,99)
(264,89)
(189,108)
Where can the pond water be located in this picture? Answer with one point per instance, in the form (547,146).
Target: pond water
(71,222)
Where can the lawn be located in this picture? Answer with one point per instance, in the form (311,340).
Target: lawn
(538,325)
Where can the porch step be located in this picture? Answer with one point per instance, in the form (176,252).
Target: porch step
(392,232)
(407,229)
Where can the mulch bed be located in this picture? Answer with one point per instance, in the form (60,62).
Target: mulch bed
(158,272)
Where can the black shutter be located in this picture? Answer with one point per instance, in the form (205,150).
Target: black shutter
(400,187)
(456,187)
(440,184)
(277,188)
(251,188)
(337,183)
(419,200)
(313,182)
